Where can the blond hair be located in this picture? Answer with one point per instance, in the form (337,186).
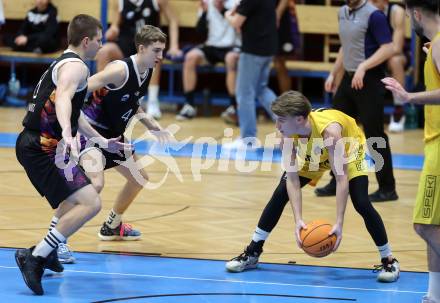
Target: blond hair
(149,34)
(291,103)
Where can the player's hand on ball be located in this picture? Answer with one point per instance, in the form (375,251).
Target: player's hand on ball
(337,231)
(299,225)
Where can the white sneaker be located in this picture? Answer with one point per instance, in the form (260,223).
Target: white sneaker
(426,299)
(187,112)
(153,109)
(65,255)
(230,115)
(240,144)
(242,262)
(396,127)
(388,271)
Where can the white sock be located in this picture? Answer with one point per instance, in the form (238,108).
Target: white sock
(385,251)
(433,288)
(153,93)
(53,222)
(49,243)
(113,219)
(260,235)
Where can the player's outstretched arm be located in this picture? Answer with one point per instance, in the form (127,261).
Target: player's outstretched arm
(295,196)
(426,97)
(112,145)
(70,76)
(114,74)
(336,149)
(162,135)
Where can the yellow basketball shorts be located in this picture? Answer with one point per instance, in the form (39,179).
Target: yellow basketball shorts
(427,207)
(354,169)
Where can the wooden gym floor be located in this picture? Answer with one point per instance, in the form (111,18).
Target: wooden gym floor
(213,218)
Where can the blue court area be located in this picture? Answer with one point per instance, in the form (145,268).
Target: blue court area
(99,277)
(215,151)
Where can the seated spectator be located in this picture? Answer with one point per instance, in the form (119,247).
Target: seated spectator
(220,46)
(396,64)
(39,31)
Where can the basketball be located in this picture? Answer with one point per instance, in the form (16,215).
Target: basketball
(316,241)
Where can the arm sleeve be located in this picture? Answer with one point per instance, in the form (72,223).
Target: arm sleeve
(379,28)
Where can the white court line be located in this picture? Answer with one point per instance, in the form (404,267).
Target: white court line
(236,281)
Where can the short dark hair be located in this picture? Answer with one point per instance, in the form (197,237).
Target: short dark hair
(80,27)
(432,6)
(149,34)
(291,103)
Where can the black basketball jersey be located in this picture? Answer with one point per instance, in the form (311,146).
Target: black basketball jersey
(137,13)
(41,115)
(112,108)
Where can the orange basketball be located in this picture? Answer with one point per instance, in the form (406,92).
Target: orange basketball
(316,241)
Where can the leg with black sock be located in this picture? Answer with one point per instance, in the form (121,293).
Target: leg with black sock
(189,97)
(358,187)
(268,220)
(188,110)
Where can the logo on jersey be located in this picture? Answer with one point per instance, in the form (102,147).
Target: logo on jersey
(146,12)
(31,107)
(136,93)
(130,15)
(125,97)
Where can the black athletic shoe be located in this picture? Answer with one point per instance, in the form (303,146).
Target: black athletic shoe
(32,269)
(124,232)
(383,196)
(326,191)
(244,261)
(52,262)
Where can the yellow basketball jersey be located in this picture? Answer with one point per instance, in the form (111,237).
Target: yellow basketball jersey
(312,154)
(432,82)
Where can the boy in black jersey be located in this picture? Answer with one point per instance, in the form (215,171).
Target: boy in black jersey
(114,101)
(129,17)
(48,142)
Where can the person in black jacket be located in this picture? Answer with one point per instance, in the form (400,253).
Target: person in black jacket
(39,31)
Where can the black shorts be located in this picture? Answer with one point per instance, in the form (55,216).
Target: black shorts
(214,54)
(288,34)
(127,46)
(51,181)
(111,159)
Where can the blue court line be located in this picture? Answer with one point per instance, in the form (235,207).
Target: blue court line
(98,277)
(210,151)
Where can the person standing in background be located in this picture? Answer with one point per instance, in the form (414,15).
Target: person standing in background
(256,20)
(366,44)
